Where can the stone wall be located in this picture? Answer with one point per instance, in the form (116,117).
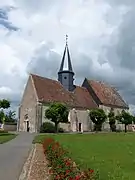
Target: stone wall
(82,117)
(44,119)
(10,127)
(28,106)
(107,109)
(77,116)
(117,111)
(65,126)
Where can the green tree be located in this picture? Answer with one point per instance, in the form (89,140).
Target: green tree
(10,116)
(112,120)
(133,119)
(98,117)
(4,104)
(2,117)
(57,113)
(125,118)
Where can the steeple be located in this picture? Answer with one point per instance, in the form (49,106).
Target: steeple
(65,74)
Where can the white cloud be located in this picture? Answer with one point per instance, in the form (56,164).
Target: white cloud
(92,26)
(5,90)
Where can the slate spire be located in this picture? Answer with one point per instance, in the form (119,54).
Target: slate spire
(66,53)
(65,74)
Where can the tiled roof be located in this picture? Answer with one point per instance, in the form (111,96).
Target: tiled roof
(107,95)
(49,90)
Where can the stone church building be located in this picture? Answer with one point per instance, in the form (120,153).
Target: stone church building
(40,92)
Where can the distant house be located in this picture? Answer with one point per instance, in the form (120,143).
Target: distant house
(40,92)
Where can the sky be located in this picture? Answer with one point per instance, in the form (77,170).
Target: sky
(101,42)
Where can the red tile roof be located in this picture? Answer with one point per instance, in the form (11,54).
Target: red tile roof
(49,90)
(107,95)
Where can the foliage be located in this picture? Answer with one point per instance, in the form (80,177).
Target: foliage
(61,130)
(112,120)
(133,119)
(125,118)
(2,116)
(61,166)
(10,117)
(98,117)
(48,127)
(5,104)
(57,113)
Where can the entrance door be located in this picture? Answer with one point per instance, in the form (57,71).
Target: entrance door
(28,126)
(80,127)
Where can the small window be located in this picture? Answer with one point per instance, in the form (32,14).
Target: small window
(65,77)
(26,116)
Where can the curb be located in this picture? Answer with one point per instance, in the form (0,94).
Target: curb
(28,164)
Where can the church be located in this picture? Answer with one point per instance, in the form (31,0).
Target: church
(41,91)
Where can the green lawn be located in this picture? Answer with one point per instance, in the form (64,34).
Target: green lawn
(112,154)
(4,137)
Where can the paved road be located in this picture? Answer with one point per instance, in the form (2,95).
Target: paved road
(13,155)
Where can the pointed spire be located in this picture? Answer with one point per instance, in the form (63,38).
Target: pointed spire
(66,76)
(66,51)
(66,40)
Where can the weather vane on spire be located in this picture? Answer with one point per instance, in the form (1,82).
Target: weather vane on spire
(66,39)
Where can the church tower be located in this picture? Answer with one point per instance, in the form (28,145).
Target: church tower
(66,74)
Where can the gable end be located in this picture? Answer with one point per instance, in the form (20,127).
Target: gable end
(91,91)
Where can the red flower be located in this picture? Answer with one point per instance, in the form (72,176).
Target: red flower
(67,171)
(71,178)
(57,177)
(68,163)
(91,171)
(77,177)
(50,171)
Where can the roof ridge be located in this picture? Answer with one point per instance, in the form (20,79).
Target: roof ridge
(43,77)
(104,83)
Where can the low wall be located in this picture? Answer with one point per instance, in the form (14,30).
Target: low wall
(8,127)
(119,126)
(65,126)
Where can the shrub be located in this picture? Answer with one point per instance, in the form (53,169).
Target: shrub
(97,127)
(61,166)
(113,127)
(61,130)
(48,127)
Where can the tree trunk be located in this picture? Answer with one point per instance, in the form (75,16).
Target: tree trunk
(56,127)
(125,128)
(113,127)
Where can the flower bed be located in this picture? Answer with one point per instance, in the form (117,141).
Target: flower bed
(61,166)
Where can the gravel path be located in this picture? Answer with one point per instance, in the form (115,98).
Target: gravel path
(13,155)
(38,169)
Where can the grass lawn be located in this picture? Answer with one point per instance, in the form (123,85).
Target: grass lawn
(112,154)
(4,137)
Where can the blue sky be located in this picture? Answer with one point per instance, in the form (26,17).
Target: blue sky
(101,41)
